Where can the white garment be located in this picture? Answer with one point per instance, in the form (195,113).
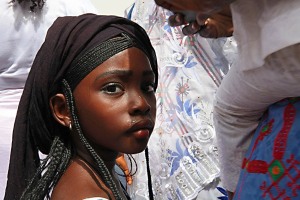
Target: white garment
(262,27)
(267,70)
(22,33)
(182,149)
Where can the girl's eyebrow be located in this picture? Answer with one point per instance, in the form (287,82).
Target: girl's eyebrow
(115,72)
(122,73)
(148,73)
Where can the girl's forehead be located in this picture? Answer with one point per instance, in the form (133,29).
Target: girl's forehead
(125,63)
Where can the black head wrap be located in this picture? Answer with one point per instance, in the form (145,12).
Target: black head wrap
(67,43)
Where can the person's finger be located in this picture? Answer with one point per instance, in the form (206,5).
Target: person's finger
(128,177)
(201,18)
(218,26)
(191,28)
(208,30)
(176,20)
(121,162)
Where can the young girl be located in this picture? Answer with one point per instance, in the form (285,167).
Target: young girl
(89,96)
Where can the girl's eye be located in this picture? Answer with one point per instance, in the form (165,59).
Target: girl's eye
(149,87)
(112,88)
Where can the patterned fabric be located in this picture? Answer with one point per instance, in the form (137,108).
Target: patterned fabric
(271,168)
(182,149)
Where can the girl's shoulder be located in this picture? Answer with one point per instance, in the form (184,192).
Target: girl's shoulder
(80,181)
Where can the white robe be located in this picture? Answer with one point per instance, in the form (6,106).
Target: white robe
(267,70)
(22,33)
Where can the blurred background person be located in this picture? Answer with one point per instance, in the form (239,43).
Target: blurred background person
(24,24)
(266,71)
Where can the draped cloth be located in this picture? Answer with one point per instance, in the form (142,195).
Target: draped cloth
(67,39)
(271,166)
(182,149)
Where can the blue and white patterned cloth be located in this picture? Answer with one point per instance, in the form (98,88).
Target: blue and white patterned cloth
(271,168)
(182,149)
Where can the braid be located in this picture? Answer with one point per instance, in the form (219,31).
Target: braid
(130,157)
(131,173)
(49,172)
(149,174)
(101,168)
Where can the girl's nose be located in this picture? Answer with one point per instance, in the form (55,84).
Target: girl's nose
(139,105)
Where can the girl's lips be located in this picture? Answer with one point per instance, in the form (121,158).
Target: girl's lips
(142,129)
(142,134)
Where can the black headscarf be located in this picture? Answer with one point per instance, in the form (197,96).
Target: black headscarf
(67,40)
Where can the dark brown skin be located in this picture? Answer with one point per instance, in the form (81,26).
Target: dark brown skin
(78,182)
(213,18)
(116,110)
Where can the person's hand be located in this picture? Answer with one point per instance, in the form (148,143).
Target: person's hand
(121,162)
(218,25)
(204,8)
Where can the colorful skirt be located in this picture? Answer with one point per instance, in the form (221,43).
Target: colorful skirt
(271,167)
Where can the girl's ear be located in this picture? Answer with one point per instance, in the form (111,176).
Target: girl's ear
(60,110)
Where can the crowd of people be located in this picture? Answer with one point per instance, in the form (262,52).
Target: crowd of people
(174,100)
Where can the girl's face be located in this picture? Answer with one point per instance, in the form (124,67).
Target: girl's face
(116,103)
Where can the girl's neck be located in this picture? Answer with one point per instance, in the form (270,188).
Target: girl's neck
(92,166)
(108,159)
(108,156)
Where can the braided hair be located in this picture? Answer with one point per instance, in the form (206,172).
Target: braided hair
(57,161)
(101,168)
(76,45)
(49,172)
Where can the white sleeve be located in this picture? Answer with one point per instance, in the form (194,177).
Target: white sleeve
(74,7)
(82,6)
